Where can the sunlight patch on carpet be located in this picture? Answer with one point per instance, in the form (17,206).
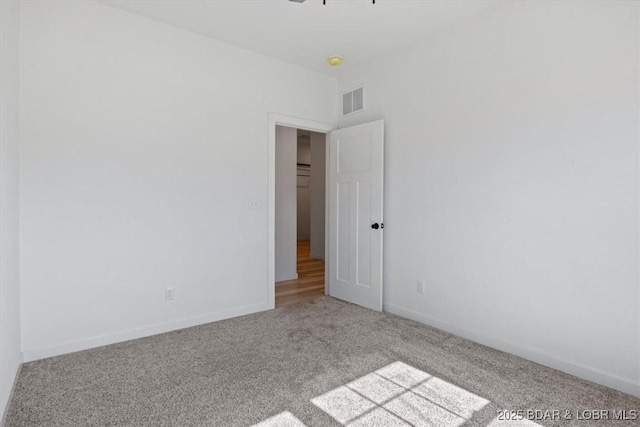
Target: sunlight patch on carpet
(398,395)
(283,419)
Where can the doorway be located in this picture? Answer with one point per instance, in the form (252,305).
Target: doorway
(300,183)
(354,226)
(278,120)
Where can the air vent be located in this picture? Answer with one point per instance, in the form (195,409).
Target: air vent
(353,101)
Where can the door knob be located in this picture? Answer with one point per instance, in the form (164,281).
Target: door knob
(375,226)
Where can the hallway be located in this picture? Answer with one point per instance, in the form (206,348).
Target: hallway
(310,282)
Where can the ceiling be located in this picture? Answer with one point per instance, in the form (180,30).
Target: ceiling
(307,33)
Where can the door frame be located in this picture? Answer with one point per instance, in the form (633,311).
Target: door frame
(274,120)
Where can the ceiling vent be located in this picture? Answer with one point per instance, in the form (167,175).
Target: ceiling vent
(353,101)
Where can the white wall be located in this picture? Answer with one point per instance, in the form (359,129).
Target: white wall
(10,355)
(512,182)
(142,146)
(317,194)
(285,219)
(303,202)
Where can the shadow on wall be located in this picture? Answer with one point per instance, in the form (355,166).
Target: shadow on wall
(303,185)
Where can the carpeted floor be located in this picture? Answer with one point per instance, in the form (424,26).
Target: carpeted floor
(317,363)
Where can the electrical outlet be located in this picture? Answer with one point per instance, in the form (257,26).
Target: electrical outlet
(168,294)
(420,287)
(254,204)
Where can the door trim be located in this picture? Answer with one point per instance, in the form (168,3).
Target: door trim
(274,120)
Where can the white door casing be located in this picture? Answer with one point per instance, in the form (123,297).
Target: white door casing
(355,210)
(275,119)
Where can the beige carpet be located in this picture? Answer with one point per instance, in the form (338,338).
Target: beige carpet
(318,363)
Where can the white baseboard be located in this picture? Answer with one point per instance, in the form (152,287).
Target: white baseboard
(577,369)
(315,256)
(292,276)
(5,410)
(85,344)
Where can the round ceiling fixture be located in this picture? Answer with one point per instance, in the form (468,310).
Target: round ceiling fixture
(335,60)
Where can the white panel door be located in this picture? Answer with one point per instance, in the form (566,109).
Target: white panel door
(356,159)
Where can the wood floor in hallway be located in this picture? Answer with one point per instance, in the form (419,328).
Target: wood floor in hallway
(310,281)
